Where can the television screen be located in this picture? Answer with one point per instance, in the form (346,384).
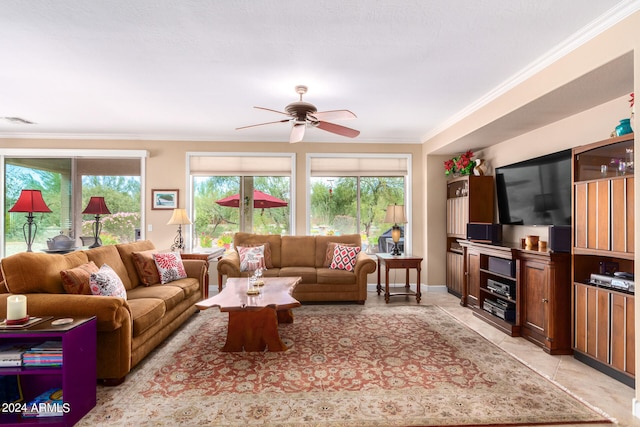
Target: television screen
(536,191)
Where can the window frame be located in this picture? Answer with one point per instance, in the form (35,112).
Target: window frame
(141,155)
(407,186)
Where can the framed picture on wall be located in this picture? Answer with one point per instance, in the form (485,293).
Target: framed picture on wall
(164,199)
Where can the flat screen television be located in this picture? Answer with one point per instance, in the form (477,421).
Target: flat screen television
(535,191)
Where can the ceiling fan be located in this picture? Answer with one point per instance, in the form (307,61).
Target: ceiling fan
(302,114)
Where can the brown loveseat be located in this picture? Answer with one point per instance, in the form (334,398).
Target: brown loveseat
(305,256)
(127,329)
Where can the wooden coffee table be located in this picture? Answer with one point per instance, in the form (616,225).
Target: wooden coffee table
(253,320)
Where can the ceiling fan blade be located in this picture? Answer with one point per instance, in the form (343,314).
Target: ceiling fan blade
(297,132)
(334,115)
(273,111)
(340,130)
(260,124)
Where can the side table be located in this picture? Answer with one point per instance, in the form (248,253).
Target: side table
(76,376)
(399,261)
(204,256)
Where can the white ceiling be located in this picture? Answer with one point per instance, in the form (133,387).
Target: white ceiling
(193,69)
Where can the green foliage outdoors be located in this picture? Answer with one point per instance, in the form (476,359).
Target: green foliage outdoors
(121,193)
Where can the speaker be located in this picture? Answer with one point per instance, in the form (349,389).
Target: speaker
(483,232)
(560,238)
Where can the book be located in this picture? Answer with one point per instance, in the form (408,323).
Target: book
(47,346)
(48,404)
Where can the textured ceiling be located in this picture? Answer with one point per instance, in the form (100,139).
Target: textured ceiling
(194,69)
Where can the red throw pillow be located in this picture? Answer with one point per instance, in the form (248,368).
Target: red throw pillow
(344,258)
(76,280)
(251,257)
(331,247)
(146,267)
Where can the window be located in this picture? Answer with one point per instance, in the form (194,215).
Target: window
(67,179)
(232,193)
(350,194)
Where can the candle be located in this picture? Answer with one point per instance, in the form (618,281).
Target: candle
(16,307)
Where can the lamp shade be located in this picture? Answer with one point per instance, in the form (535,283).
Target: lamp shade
(179,217)
(30,201)
(96,206)
(395,214)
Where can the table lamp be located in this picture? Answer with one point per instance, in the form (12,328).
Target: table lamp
(30,201)
(97,207)
(179,218)
(395,215)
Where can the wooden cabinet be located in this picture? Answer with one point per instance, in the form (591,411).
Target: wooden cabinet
(521,292)
(545,284)
(469,199)
(603,241)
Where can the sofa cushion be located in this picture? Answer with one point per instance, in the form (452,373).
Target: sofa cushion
(107,283)
(308,274)
(171,295)
(331,247)
(145,312)
(251,257)
(274,240)
(32,272)
(125,250)
(268,262)
(189,286)
(298,251)
(336,277)
(170,266)
(76,280)
(109,255)
(323,241)
(344,258)
(146,268)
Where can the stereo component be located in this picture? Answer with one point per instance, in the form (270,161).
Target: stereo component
(504,289)
(484,232)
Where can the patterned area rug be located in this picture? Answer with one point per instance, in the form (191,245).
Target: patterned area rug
(348,365)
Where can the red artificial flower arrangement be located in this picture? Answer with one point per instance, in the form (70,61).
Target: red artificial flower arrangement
(461,164)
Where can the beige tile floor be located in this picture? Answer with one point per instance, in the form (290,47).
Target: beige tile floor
(596,389)
(593,387)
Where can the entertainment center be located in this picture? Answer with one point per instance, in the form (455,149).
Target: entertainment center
(575,296)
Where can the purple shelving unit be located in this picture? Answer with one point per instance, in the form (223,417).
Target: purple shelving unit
(76,376)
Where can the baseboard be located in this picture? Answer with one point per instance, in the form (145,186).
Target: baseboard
(371,287)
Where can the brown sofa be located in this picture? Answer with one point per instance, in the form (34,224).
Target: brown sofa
(305,256)
(127,329)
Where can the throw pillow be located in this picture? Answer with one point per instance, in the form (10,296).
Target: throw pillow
(106,282)
(268,263)
(344,257)
(170,266)
(251,257)
(331,247)
(146,267)
(76,280)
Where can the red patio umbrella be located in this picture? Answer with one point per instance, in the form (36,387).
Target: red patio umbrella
(260,200)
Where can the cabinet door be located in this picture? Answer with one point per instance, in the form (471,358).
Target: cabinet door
(455,271)
(457,216)
(622,333)
(622,239)
(535,298)
(473,277)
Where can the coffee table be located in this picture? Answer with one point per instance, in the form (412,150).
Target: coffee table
(253,320)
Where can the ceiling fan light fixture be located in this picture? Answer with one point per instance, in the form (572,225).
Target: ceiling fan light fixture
(302,114)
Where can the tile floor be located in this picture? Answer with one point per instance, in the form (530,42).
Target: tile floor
(597,389)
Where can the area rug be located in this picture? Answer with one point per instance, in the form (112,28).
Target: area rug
(348,365)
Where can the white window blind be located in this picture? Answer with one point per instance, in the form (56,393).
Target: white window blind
(359,166)
(240,165)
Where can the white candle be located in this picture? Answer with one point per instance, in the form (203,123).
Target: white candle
(16,307)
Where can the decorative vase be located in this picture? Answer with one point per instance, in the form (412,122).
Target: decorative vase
(623,128)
